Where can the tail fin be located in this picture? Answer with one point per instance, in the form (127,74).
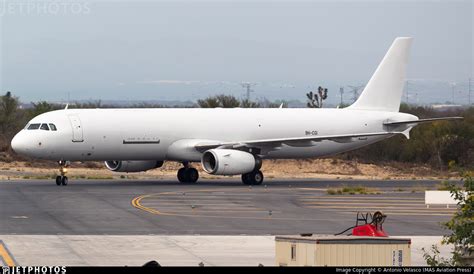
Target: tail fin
(385,88)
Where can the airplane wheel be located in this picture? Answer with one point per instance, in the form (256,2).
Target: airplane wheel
(253,178)
(192,175)
(257,177)
(64,180)
(245,179)
(188,175)
(58,180)
(182,175)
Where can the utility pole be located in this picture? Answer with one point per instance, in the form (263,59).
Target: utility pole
(341,91)
(355,91)
(453,85)
(406,91)
(355,95)
(248,87)
(469,91)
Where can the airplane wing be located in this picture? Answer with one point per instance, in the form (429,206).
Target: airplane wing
(419,121)
(294,141)
(309,140)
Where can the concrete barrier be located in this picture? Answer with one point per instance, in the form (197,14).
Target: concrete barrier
(437,197)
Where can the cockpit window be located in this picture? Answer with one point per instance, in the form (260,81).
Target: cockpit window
(44,127)
(33,126)
(52,127)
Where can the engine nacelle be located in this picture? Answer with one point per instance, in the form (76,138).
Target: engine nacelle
(132,166)
(229,162)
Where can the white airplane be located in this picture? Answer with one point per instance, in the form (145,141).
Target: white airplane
(225,141)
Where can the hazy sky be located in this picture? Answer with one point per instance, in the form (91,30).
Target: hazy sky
(152,50)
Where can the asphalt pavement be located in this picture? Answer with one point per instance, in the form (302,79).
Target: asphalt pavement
(211,207)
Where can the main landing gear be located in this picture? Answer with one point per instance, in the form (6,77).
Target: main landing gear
(62,179)
(256,176)
(253,178)
(188,174)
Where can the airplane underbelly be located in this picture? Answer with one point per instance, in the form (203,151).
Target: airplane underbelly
(104,151)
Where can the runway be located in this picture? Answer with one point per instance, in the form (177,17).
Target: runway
(211,207)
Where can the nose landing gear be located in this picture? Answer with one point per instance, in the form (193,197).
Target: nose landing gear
(62,179)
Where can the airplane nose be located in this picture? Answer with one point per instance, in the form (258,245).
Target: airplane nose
(19,143)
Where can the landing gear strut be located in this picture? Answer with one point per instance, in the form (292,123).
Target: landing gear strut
(188,174)
(62,179)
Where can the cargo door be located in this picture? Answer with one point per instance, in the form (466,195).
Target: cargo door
(77,134)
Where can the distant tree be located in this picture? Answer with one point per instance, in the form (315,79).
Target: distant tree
(209,102)
(92,104)
(312,100)
(42,107)
(8,107)
(221,100)
(315,100)
(11,119)
(228,101)
(147,105)
(275,104)
(245,103)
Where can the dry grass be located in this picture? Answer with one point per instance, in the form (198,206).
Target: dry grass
(353,190)
(309,168)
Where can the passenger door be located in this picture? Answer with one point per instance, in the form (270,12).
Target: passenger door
(77,134)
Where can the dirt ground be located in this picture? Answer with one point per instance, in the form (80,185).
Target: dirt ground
(312,168)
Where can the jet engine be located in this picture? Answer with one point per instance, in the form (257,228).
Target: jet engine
(132,166)
(229,162)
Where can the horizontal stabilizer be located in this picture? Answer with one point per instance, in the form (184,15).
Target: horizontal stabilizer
(420,121)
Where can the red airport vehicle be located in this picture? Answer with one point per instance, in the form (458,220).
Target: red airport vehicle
(368,225)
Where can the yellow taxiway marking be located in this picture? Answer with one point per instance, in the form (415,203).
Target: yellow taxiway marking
(136,202)
(196,203)
(210,210)
(6,256)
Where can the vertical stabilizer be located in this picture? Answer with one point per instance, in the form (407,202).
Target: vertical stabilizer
(385,88)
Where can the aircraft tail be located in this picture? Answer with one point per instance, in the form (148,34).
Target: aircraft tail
(385,88)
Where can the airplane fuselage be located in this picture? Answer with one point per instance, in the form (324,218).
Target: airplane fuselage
(164,134)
